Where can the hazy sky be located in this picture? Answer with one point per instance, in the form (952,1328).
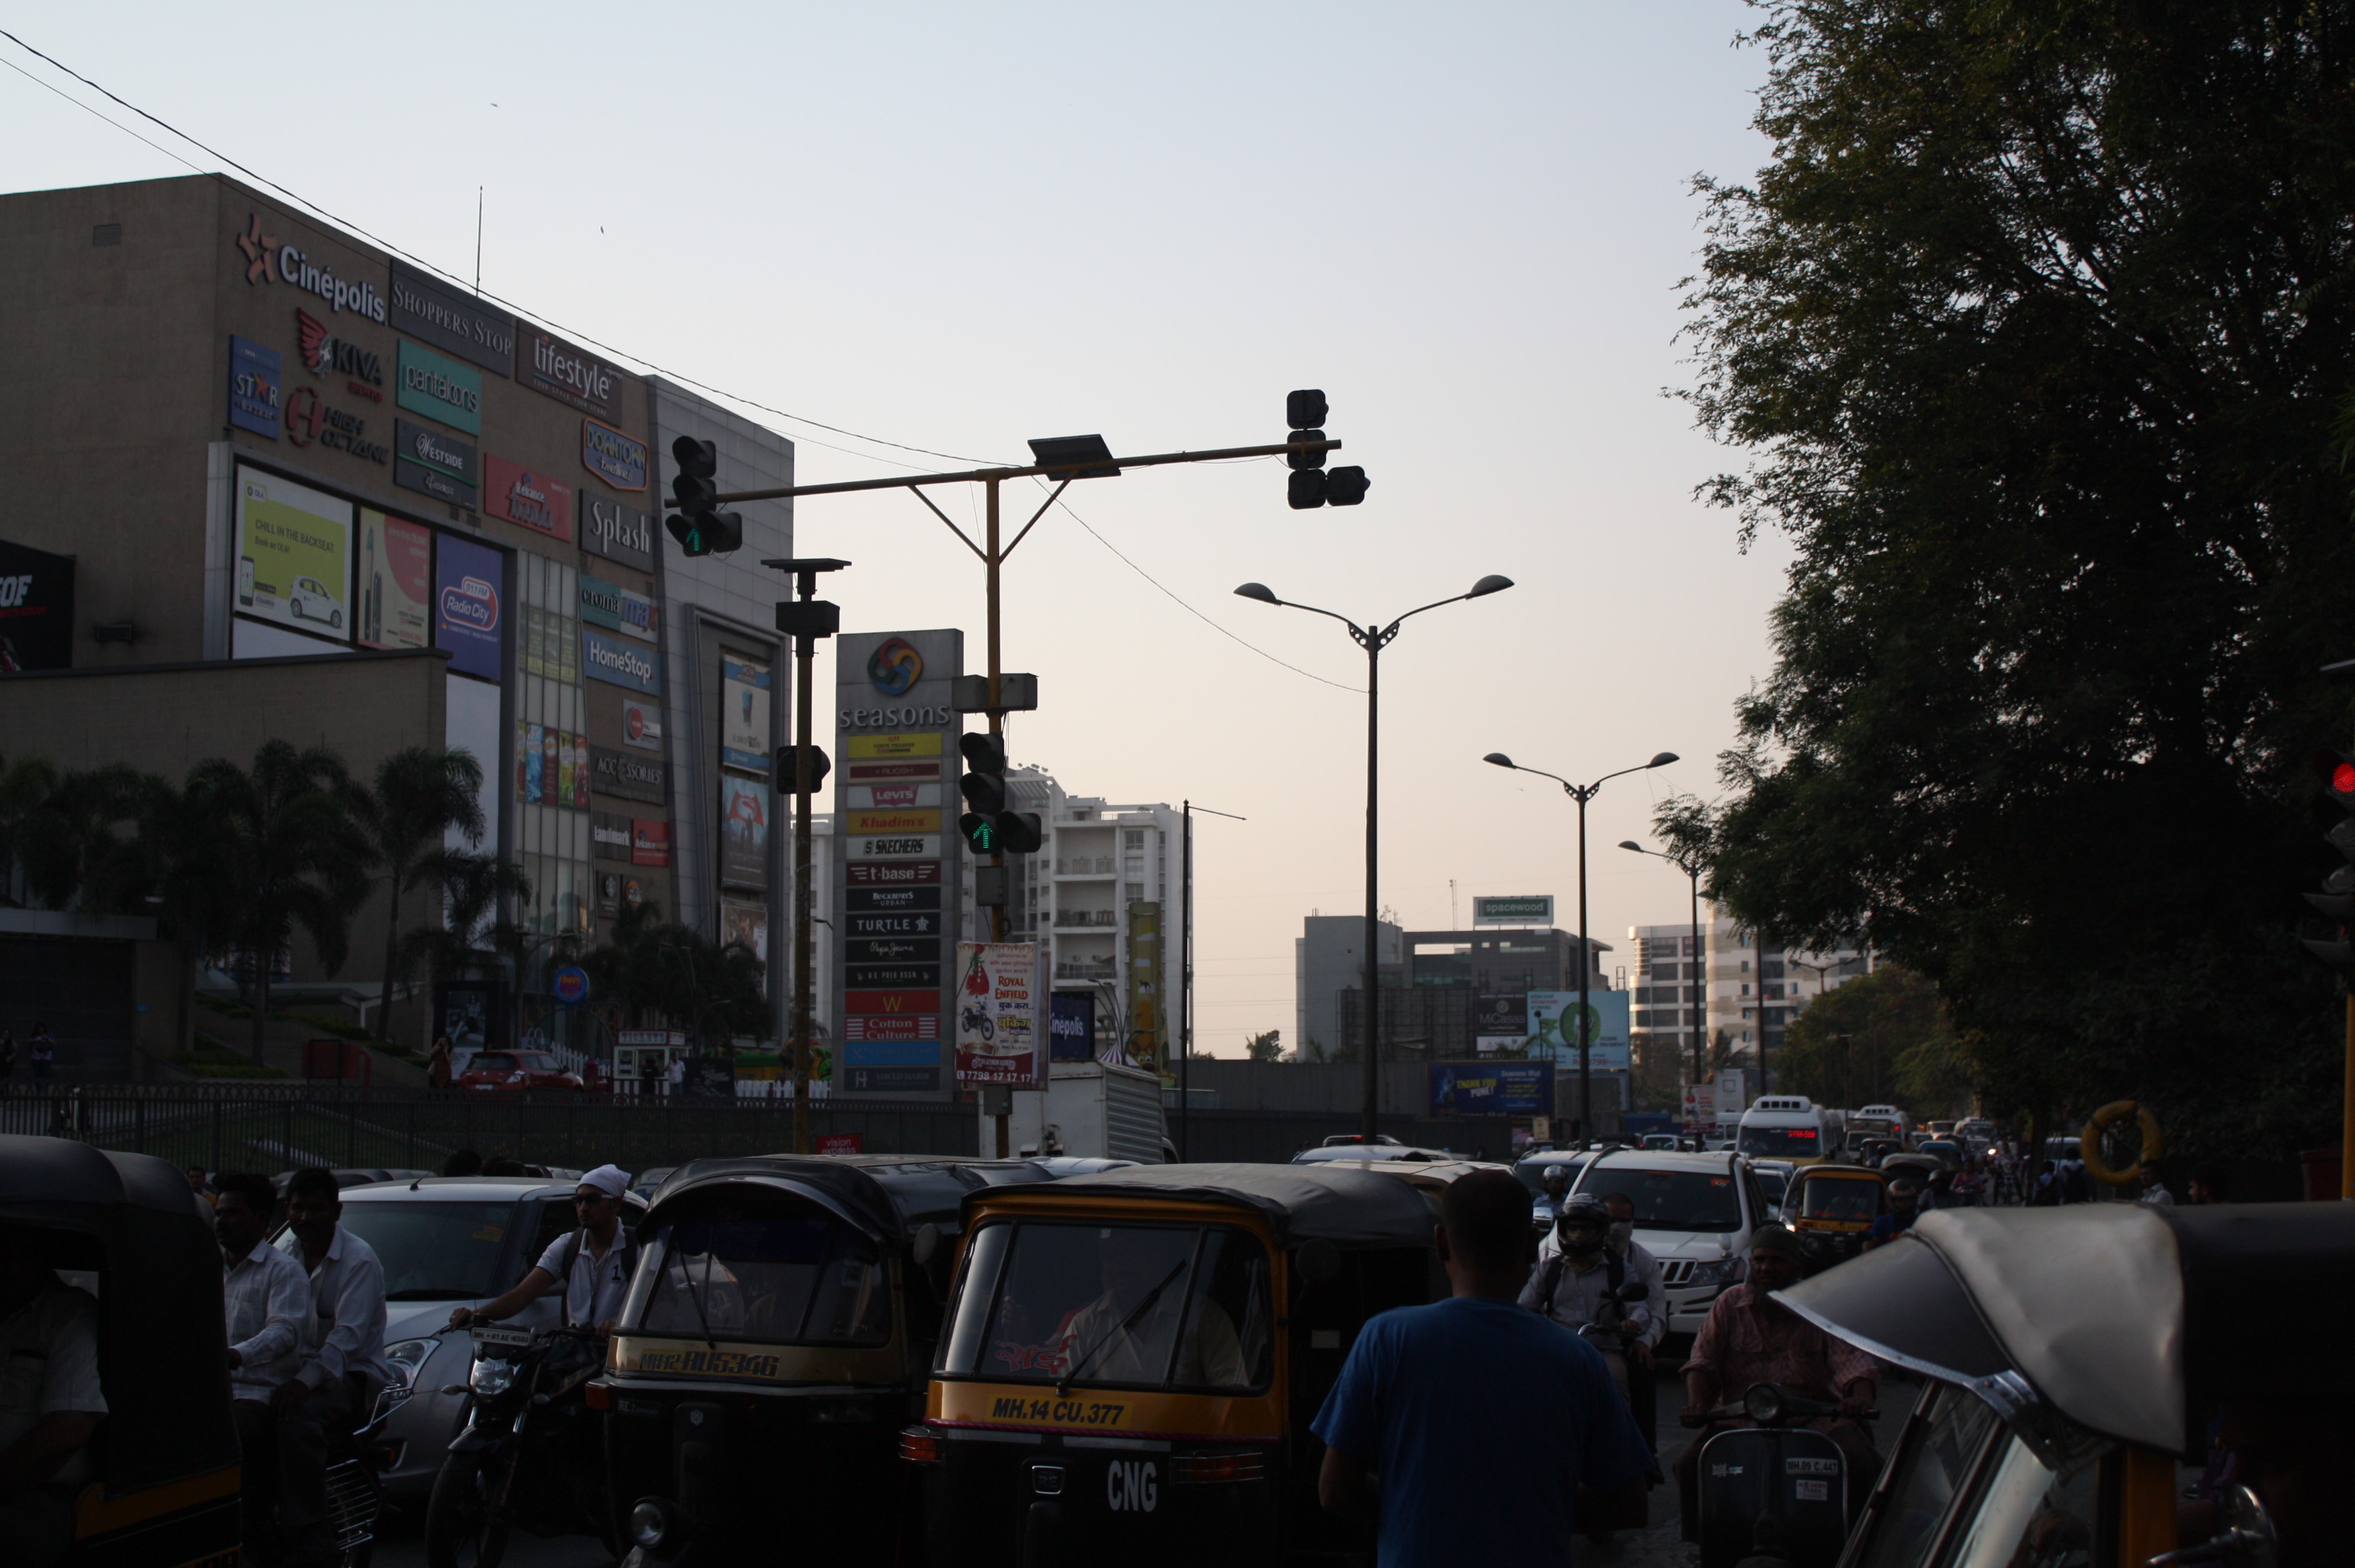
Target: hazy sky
(958,226)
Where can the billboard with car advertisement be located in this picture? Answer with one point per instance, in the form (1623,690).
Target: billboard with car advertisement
(396,582)
(294,547)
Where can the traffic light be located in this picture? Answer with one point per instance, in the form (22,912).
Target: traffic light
(2335,771)
(986,825)
(698,525)
(1307,485)
(789,768)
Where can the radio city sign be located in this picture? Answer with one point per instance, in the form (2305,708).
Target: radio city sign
(269,260)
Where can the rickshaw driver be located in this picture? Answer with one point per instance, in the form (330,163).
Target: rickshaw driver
(50,1399)
(1750,1337)
(1115,1341)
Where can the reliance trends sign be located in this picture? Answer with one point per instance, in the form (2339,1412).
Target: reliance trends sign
(618,663)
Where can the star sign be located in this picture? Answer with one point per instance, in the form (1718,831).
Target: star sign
(257,247)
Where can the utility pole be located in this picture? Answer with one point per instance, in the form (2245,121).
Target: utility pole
(807,620)
(1186,986)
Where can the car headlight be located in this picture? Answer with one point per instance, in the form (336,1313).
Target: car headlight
(407,1358)
(652,1523)
(492,1378)
(1721,1272)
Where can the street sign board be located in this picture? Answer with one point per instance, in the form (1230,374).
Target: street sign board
(1530,909)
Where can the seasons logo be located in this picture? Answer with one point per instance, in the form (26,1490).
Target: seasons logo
(895,666)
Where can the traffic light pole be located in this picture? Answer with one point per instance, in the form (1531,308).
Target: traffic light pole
(807,619)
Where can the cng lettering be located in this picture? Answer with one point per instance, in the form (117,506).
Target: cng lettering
(1131,1486)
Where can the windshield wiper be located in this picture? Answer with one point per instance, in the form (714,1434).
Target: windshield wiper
(1063,1384)
(710,1343)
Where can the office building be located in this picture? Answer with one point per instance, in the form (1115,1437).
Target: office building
(1754,988)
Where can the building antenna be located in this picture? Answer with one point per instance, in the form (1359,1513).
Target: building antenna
(1455,920)
(478,241)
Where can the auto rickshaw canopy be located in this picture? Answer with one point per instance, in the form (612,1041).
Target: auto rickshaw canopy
(887,1197)
(2131,1321)
(1350,1209)
(132,1220)
(1857,1197)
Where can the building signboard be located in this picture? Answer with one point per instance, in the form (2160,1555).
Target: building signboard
(616,532)
(311,420)
(327,353)
(896,725)
(268,259)
(610,835)
(569,375)
(1606,1029)
(650,846)
(442,314)
(256,386)
(614,456)
(744,715)
(37,609)
(630,778)
(1143,999)
(440,465)
(1491,1088)
(999,984)
(425,383)
(1531,909)
(396,582)
(293,561)
(469,591)
(1072,1026)
(525,495)
(743,832)
(622,664)
(641,725)
(601,603)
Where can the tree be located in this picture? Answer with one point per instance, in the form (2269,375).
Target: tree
(1267,1046)
(422,794)
(2034,328)
(655,969)
(293,857)
(1849,1045)
(476,934)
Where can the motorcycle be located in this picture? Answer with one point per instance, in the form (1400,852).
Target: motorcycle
(356,1460)
(529,1452)
(1590,1516)
(1772,1495)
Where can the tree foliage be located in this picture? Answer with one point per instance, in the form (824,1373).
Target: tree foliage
(660,971)
(1265,1047)
(2034,327)
(422,794)
(1852,1046)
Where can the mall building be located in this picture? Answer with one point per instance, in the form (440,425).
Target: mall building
(272,482)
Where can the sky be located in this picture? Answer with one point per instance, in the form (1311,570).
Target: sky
(956,227)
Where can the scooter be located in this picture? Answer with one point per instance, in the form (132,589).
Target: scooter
(1588,1515)
(528,1453)
(355,1492)
(1772,1495)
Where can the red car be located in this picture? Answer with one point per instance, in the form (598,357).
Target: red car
(516,1070)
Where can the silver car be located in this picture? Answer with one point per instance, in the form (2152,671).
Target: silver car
(448,1242)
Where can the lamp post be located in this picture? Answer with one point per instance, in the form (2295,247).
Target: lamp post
(1698,996)
(1373,637)
(1582,794)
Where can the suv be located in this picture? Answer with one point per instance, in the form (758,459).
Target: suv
(1693,1212)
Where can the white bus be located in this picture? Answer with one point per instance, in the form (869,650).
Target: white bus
(1792,1128)
(1872,1122)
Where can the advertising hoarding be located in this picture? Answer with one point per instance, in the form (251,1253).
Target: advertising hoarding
(1142,979)
(1491,1088)
(998,988)
(744,713)
(256,386)
(396,582)
(1528,909)
(37,609)
(469,600)
(748,925)
(1606,1030)
(1072,1027)
(743,832)
(531,497)
(295,548)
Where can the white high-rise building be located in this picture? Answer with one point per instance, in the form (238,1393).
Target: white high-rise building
(1755,989)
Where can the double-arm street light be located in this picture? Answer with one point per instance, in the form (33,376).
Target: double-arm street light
(1582,794)
(1373,637)
(1698,995)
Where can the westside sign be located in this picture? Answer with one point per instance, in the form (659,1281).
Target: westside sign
(440,465)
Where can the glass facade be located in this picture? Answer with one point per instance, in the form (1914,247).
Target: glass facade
(552,751)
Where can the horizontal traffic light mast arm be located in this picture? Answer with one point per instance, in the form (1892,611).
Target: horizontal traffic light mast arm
(1049,471)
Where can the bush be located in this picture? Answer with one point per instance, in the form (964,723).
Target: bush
(208,1060)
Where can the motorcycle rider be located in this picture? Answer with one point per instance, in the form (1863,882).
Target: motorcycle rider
(1578,1286)
(592,1263)
(342,1365)
(1905,1200)
(1547,1208)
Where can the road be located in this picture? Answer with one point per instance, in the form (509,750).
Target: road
(1656,1546)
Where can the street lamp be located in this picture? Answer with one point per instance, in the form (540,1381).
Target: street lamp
(1582,794)
(1373,637)
(1700,995)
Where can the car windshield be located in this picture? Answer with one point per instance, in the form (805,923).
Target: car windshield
(1139,1306)
(1533,1172)
(1774,1184)
(1675,1200)
(491,1061)
(746,1263)
(432,1251)
(1783,1142)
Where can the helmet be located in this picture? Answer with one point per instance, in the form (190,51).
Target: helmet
(1586,1210)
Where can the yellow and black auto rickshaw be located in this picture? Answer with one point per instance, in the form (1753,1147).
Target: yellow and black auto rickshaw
(2078,1355)
(156,1485)
(1832,1207)
(1132,1360)
(777,1336)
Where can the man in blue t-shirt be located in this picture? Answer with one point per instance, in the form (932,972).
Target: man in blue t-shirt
(1480,1418)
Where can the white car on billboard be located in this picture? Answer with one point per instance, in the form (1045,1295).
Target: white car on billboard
(310,600)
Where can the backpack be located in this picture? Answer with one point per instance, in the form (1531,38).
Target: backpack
(1615,1274)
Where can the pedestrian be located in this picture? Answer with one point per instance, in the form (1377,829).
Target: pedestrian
(51,1403)
(198,1185)
(1482,1420)
(9,1054)
(592,1263)
(462,1162)
(2206,1186)
(266,1309)
(2154,1193)
(1749,1337)
(1904,1208)
(677,1076)
(438,1063)
(41,1048)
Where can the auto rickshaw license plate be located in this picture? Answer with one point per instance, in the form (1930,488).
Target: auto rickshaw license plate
(505,1338)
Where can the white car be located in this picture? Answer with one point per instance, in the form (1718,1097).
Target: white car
(312,602)
(1693,1212)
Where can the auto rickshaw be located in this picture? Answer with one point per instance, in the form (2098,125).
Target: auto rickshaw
(161,1476)
(777,1335)
(2078,1355)
(1073,1418)
(1832,1207)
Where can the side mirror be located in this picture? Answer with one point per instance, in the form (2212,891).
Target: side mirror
(1317,1261)
(927,1242)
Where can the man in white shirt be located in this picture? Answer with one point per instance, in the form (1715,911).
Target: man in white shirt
(592,1263)
(266,1302)
(342,1358)
(50,1399)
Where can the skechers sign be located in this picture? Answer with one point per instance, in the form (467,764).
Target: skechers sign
(440,465)
(426,308)
(620,663)
(441,389)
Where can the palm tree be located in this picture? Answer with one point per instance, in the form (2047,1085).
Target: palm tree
(475,932)
(287,830)
(422,794)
